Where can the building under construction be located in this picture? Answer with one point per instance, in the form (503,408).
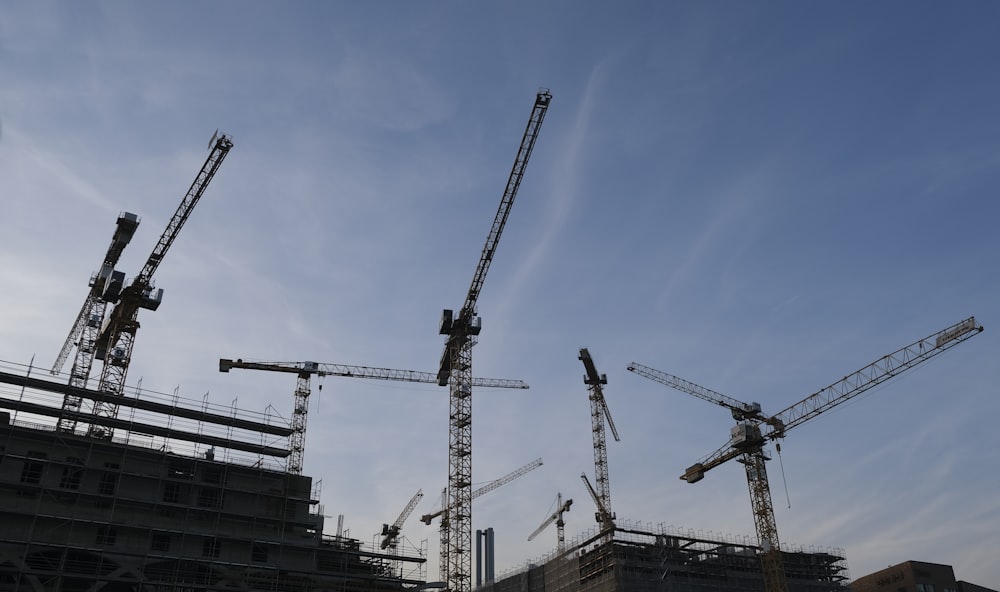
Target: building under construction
(647,558)
(167,495)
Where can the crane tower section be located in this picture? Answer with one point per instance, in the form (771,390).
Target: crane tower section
(461,333)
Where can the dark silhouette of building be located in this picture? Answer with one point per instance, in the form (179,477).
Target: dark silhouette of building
(915,576)
(182,498)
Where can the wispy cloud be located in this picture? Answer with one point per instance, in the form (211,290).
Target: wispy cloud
(757,202)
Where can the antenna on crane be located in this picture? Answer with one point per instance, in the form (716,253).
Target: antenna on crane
(753,429)
(462,333)
(305,370)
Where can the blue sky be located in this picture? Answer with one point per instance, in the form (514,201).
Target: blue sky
(758,197)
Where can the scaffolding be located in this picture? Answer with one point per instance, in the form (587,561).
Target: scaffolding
(641,557)
(187,496)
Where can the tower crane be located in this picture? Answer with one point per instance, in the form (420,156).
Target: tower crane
(462,333)
(105,286)
(557,517)
(390,532)
(754,429)
(446,510)
(599,412)
(305,370)
(117,337)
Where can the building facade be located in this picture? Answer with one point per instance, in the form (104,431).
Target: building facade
(646,558)
(915,576)
(142,513)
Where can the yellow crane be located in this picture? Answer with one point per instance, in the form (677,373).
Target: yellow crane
(462,332)
(305,370)
(599,413)
(754,429)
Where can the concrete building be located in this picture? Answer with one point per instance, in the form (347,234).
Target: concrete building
(915,576)
(647,558)
(166,496)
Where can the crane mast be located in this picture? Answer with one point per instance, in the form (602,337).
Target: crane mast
(305,370)
(117,338)
(753,429)
(599,412)
(105,287)
(456,369)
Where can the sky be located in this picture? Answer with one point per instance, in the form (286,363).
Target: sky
(760,198)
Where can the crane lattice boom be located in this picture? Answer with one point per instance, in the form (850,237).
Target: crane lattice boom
(873,375)
(506,201)
(739,408)
(488,487)
(369,372)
